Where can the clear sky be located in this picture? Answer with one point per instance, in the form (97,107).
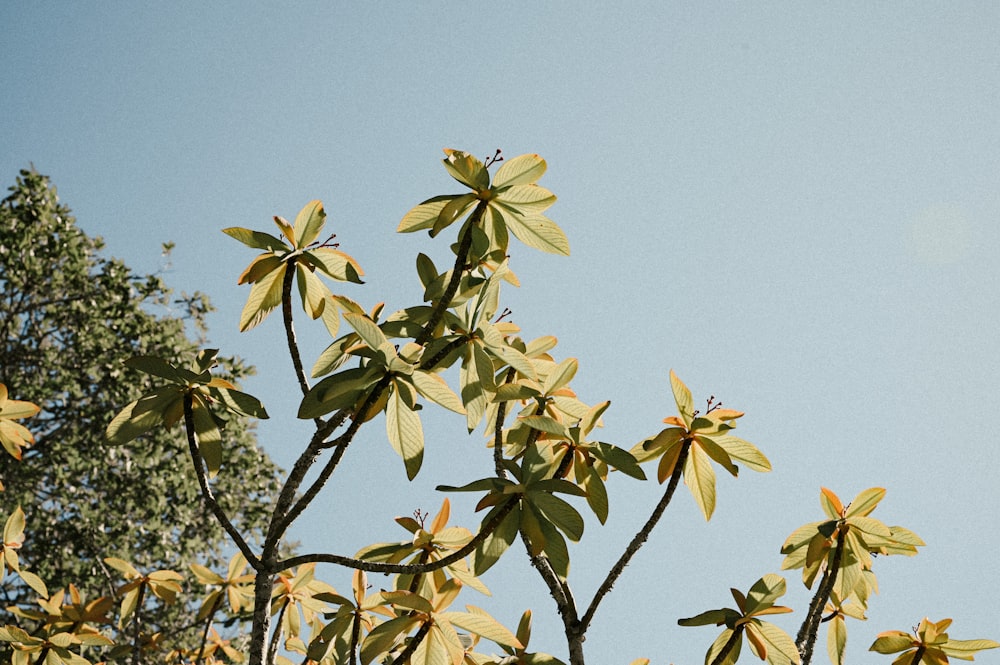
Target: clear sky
(794,206)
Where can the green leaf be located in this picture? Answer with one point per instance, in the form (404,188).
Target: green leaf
(434,388)
(256,239)
(865,502)
(892,641)
(368,330)
(466,169)
(483,625)
(597,494)
(265,295)
(682,396)
(336,392)
(522,170)
(525,200)
(617,458)
(155,367)
(545,424)
(700,479)
(781,648)
(710,618)
(764,593)
(313,292)
(836,640)
(424,215)
(494,545)
(743,451)
(240,402)
(559,513)
(141,415)
(334,263)
(452,211)
(35,582)
(538,232)
(309,222)
(405,432)
(719,644)
(964,649)
(560,376)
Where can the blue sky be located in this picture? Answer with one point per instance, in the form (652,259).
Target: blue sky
(795,207)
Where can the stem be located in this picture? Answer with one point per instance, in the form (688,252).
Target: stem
(206,490)
(638,540)
(137,622)
(272,649)
(806,638)
(418,637)
(355,637)
(498,430)
(262,585)
(286,314)
(401,568)
(730,644)
(208,625)
(464,244)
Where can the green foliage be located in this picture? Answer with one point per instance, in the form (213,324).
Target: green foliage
(547,461)
(68,317)
(929,643)
(767,641)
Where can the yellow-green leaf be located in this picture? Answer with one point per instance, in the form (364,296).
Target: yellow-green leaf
(700,479)
(405,432)
(309,222)
(521,170)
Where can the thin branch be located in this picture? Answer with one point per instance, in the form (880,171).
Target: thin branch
(461,258)
(286,314)
(498,430)
(731,643)
(206,490)
(638,540)
(272,648)
(404,569)
(415,641)
(806,638)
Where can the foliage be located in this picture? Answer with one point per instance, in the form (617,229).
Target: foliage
(929,644)
(546,459)
(68,316)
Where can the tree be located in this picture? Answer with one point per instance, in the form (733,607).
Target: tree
(67,317)
(545,456)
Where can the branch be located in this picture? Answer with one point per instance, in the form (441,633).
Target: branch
(806,638)
(733,640)
(498,430)
(461,256)
(404,569)
(206,490)
(286,314)
(638,540)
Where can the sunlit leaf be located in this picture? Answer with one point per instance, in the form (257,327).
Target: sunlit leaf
(521,170)
(405,432)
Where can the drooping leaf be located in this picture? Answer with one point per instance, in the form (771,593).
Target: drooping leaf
(405,432)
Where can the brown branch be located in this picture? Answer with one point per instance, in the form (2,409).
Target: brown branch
(731,643)
(401,568)
(206,491)
(806,638)
(286,315)
(638,540)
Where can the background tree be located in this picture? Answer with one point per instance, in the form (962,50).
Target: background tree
(67,318)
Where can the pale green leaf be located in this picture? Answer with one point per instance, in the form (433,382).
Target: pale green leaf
(483,625)
(256,239)
(836,640)
(682,396)
(424,215)
(434,388)
(466,169)
(405,432)
(538,232)
(700,479)
(521,170)
(308,223)
(265,295)
(865,502)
